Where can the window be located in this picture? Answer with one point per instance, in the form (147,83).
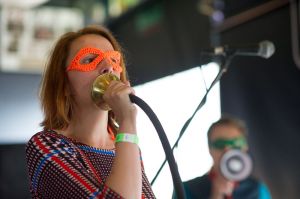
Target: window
(174,99)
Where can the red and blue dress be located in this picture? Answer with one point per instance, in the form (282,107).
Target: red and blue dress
(60,167)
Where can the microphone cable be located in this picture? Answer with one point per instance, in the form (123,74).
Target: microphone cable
(178,186)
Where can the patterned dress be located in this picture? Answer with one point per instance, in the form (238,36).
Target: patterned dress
(60,167)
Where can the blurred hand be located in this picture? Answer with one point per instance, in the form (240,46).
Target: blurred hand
(221,187)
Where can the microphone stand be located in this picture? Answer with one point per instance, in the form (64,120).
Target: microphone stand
(223,69)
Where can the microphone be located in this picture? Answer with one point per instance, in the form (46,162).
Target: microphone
(263,49)
(99,86)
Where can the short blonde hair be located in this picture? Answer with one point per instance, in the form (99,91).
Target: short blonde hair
(56,104)
(227,120)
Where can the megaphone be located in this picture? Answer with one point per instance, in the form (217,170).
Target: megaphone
(236,165)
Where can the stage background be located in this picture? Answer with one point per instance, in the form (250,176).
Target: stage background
(265,93)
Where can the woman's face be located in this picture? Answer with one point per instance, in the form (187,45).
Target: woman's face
(81,79)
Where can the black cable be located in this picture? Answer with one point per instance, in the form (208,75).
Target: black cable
(165,143)
(295,20)
(223,69)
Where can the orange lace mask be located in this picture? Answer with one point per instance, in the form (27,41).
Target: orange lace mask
(88,58)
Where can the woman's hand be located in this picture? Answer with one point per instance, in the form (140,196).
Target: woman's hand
(117,97)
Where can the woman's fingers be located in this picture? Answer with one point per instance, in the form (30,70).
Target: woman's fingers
(117,97)
(118,89)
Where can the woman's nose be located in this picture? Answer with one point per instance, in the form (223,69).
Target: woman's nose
(105,67)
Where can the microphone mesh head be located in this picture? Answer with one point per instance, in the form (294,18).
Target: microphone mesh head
(266,49)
